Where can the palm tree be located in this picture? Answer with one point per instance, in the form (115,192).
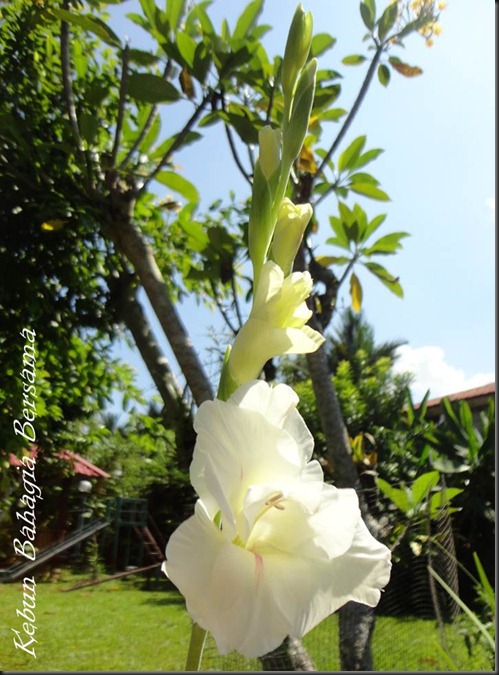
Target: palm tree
(354,334)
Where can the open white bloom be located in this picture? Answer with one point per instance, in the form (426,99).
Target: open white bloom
(276,324)
(271,550)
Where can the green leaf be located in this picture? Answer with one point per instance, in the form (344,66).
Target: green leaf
(350,155)
(385,277)
(374,224)
(355,293)
(202,62)
(387,21)
(481,627)
(488,592)
(142,58)
(246,128)
(179,184)
(204,20)
(361,177)
(89,23)
(387,244)
(341,238)
(367,14)
(332,115)
(395,495)
(325,96)
(367,157)
(152,135)
(369,190)
(353,60)
(247,20)
(162,149)
(149,9)
(89,126)
(187,47)
(384,74)
(423,485)
(151,88)
(326,260)
(174,11)
(441,499)
(321,43)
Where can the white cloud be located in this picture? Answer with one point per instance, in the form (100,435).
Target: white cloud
(432,372)
(491,203)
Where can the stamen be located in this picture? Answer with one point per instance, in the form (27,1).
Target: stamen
(271,501)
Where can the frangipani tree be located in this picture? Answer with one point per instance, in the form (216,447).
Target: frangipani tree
(110,140)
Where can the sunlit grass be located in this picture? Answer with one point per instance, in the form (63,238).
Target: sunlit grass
(118,626)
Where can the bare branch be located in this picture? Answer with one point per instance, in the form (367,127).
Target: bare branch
(121,104)
(179,139)
(68,95)
(235,154)
(148,124)
(222,310)
(351,115)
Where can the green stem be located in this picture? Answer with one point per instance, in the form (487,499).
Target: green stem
(196,645)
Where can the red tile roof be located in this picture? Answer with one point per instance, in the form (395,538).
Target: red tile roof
(81,466)
(468,395)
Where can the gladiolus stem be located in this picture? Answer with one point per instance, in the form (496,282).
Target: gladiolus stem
(196,645)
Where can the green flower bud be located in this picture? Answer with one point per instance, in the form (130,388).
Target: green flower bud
(297,49)
(270,141)
(300,114)
(291,224)
(261,223)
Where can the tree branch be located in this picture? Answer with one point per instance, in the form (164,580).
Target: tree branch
(135,248)
(179,139)
(222,310)
(69,98)
(148,124)
(235,154)
(351,115)
(121,104)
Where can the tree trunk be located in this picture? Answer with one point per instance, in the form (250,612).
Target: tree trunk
(356,628)
(290,655)
(356,620)
(134,247)
(176,413)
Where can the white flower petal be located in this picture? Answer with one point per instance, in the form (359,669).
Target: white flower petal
(191,554)
(243,449)
(278,405)
(288,549)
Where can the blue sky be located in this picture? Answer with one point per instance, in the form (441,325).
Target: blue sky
(438,133)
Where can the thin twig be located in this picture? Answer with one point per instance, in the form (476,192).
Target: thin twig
(179,139)
(68,94)
(222,309)
(236,301)
(235,154)
(351,115)
(148,124)
(121,104)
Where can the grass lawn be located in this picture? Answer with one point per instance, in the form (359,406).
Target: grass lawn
(119,626)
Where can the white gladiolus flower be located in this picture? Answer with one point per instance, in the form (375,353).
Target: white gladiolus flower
(276,324)
(271,550)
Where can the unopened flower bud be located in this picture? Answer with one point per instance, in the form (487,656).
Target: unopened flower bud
(300,113)
(270,150)
(291,224)
(297,49)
